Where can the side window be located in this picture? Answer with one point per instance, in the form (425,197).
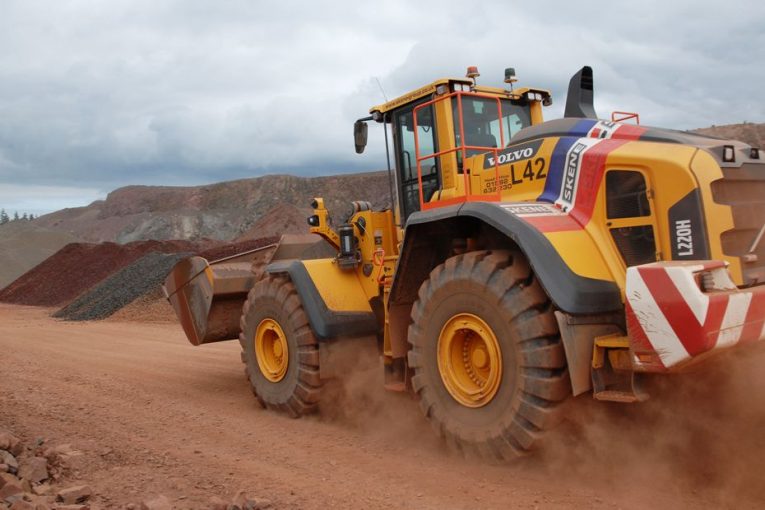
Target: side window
(626,194)
(407,158)
(511,124)
(480,119)
(630,219)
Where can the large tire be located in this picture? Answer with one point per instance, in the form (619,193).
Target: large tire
(289,383)
(499,400)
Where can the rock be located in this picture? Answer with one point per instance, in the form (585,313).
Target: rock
(245,502)
(42,489)
(10,443)
(260,503)
(217,503)
(10,461)
(7,477)
(76,494)
(72,507)
(3,468)
(7,502)
(20,504)
(34,469)
(62,450)
(156,503)
(11,489)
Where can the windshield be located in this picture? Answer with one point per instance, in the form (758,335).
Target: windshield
(481,121)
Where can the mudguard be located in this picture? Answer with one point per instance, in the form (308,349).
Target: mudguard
(344,312)
(569,291)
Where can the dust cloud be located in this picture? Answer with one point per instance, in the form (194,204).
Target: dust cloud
(701,435)
(356,399)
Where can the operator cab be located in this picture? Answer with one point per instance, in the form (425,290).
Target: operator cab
(438,128)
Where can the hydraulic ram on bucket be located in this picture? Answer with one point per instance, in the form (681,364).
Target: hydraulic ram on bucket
(208,296)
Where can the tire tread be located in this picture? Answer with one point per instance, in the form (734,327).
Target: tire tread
(305,397)
(543,379)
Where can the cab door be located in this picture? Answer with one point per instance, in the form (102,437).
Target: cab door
(406,157)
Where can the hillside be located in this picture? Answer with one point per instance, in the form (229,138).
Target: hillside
(752,134)
(222,211)
(24,244)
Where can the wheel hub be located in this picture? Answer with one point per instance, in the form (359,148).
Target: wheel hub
(469,360)
(271,350)
(480,358)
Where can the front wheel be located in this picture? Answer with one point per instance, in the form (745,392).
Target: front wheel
(279,349)
(489,366)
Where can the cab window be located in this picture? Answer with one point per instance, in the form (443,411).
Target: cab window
(626,194)
(481,121)
(631,222)
(409,191)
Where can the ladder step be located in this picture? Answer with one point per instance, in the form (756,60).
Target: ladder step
(395,386)
(620,396)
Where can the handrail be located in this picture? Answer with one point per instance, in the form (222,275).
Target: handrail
(617,116)
(462,148)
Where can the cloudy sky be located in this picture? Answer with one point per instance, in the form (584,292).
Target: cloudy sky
(97,95)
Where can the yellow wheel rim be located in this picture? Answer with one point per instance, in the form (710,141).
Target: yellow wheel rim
(271,350)
(469,360)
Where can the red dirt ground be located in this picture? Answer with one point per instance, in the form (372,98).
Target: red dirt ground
(154,415)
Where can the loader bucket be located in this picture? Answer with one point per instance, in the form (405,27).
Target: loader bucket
(208,296)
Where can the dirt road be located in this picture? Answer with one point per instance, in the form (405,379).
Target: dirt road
(154,415)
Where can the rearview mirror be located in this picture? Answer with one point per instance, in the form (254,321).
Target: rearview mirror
(360,129)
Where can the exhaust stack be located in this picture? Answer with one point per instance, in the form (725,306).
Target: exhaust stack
(579,103)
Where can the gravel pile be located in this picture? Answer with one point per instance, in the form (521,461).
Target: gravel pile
(154,307)
(93,281)
(78,266)
(23,245)
(133,281)
(227,250)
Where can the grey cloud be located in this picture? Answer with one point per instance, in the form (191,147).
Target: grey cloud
(184,92)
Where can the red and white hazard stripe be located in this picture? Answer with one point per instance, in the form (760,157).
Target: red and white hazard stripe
(604,130)
(672,321)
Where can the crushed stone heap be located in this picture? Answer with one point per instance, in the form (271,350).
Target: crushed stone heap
(78,266)
(121,288)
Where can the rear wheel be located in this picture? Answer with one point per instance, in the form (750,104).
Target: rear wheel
(279,349)
(489,366)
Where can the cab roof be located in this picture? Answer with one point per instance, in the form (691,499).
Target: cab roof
(430,89)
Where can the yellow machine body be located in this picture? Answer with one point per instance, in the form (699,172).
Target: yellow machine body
(586,201)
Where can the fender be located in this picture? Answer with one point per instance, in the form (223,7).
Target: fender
(326,323)
(569,292)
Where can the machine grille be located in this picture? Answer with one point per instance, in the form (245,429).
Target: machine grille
(636,244)
(743,189)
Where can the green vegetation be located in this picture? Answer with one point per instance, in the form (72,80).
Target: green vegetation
(4,218)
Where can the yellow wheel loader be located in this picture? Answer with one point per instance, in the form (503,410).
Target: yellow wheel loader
(522,262)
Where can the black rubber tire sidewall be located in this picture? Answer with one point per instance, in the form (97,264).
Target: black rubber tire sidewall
(275,393)
(460,296)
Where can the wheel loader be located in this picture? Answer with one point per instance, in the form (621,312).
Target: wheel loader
(522,262)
